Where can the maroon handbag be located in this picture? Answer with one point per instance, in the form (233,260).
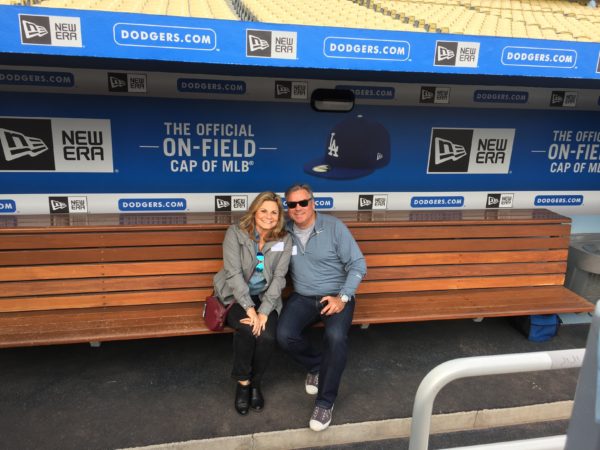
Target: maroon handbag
(215,313)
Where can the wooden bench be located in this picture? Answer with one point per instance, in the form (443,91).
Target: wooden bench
(87,278)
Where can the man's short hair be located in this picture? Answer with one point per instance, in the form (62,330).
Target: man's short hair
(299,187)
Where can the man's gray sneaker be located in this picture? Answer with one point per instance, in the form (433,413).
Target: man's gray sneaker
(312,383)
(321,418)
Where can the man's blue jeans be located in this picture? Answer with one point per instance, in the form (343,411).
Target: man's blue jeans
(298,314)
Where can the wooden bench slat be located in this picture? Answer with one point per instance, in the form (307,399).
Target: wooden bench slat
(453,245)
(467,304)
(158,253)
(31,303)
(109,320)
(109,239)
(444,271)
(450,279)
(54,317)
(125,239)
(68,271)
(414,259)
(463,231)
(104,334)
(120,254)
(432,284)
(210,267)
(100,300)
(89,285)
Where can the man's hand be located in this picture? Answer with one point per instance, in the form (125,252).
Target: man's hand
(334,305)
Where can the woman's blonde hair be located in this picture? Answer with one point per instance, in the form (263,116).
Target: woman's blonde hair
(248,224)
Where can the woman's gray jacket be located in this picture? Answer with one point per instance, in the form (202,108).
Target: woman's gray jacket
(239,261)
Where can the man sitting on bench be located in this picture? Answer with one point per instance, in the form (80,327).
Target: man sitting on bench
(326,267)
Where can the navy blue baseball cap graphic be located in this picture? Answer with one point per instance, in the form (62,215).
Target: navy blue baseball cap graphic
(354,148)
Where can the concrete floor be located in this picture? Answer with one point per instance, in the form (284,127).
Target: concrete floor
(138,393)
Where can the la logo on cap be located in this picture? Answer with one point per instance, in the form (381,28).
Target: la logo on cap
(355,147)
(333,147)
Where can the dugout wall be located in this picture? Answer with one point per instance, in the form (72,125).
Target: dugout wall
(118,113)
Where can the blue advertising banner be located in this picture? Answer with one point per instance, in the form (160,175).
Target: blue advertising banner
(99,144)
(166,38)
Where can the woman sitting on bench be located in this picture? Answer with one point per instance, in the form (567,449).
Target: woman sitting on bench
(256,254)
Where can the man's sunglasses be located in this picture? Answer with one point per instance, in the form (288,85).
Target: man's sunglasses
(261,262)
(303,203)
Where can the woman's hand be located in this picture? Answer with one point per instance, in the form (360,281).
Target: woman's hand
(252,320)
(262,322)
(258,322)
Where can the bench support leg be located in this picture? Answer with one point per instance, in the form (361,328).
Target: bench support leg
(95,344)
(364,326)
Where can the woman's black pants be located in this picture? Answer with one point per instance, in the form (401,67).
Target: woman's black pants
(251,354)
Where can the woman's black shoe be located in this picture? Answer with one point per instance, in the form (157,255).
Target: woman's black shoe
(257,401)
(242,398)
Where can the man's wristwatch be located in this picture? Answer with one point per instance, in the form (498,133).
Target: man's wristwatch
(344,298)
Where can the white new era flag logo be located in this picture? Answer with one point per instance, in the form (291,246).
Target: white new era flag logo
(444,53)
(57,205)
(116,83)
(33,30)
(222,203)
(446,150)
(365,202)
(16,145)
(257,43)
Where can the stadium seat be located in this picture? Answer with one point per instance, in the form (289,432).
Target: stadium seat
(543,19)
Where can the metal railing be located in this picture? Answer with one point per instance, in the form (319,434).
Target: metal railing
(455,369)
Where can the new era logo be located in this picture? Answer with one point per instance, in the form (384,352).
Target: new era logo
(499,201)
(59,204)
(493,201)
(231,202)
(283,89)
(433,94)
(32,30)
(222,203)
(562,98)
(446,150)
(126,82)
(458,54)
(26,144)
(370,202)
(473,150)
(427,94)
(117,83)
(444,53)
(17,145)
(35,30)
(257,43)
(291,89)
(449,150)
(57,31)
(365,202)
(271,44)
(557,98)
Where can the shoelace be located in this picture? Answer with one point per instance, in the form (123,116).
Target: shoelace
(321,414)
